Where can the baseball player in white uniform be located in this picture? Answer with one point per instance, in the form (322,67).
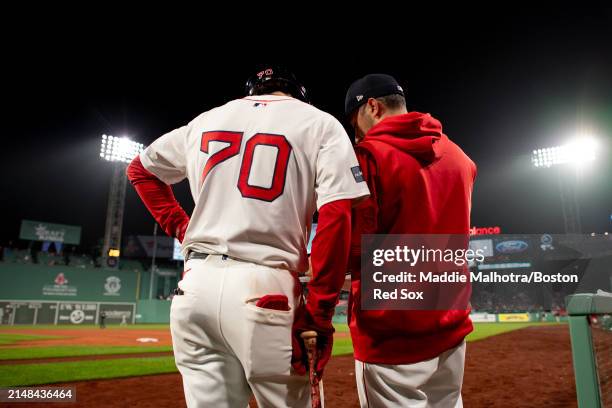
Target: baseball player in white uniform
(258,168)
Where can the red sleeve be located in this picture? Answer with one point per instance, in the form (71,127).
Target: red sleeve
(329,258)
(365,214)
(159,200)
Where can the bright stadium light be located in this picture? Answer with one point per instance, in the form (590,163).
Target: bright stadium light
(578,151)
(119,149)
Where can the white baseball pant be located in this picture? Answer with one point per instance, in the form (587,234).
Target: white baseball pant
(225,347)
(434,383)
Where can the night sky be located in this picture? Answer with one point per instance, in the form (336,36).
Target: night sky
(501,85)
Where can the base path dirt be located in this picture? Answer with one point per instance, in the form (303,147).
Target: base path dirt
(531,367)
(85,358)
(91,337)
(97,337)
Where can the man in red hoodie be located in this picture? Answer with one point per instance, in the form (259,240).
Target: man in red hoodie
(420,183)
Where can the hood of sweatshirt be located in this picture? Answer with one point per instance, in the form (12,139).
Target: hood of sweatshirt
(418,134)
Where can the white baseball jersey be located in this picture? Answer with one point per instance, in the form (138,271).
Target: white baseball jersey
(257,168)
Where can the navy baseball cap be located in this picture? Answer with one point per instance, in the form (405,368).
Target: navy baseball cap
(370,86)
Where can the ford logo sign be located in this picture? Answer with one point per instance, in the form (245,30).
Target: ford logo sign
(511,247)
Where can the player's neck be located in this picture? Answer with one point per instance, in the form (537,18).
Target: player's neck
(279,93)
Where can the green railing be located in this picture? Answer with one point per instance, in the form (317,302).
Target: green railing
(589,376)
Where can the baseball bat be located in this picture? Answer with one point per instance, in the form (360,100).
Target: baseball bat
(310,341)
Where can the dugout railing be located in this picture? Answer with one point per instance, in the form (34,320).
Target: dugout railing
(590,319)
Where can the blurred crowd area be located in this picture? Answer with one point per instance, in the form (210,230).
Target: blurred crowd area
(69,255)
(506,300)
(65,257)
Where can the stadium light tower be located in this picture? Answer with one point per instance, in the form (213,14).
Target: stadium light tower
(119,151)
(577,152)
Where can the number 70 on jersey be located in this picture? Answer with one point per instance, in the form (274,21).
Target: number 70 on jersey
(234,140)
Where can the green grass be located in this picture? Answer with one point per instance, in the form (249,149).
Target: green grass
(73,351)
(342,346)
(484,330)
(46,373)
(10,338)
(481,331)
(341,327)
(30,374)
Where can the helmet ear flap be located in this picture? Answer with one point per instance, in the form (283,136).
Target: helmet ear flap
(249,87)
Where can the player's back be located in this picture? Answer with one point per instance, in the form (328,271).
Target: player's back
(258,168)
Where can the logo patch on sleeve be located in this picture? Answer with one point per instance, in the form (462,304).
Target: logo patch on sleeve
(357,174)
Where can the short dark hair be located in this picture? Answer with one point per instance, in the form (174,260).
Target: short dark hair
(275,85)
(393,101)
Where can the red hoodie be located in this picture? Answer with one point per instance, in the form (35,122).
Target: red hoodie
(420,183)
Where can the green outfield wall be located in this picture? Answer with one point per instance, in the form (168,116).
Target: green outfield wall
(153,311)
(26,282)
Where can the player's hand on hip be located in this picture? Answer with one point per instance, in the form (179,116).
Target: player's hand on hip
(180,231)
